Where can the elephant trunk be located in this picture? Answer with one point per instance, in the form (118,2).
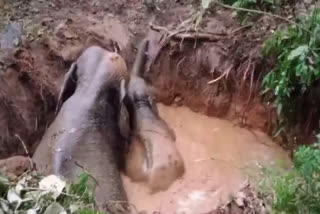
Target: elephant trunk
(139,63)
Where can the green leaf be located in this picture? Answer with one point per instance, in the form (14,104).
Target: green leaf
(13,197)
(4,184)
(32,194)
(32,211)
(74,208)
(4,205)
(270,1)
(299,51)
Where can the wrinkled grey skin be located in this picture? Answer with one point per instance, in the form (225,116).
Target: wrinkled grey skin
(85,134)
(161,163)
(145,115)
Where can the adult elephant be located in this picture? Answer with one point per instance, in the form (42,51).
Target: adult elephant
(85,133)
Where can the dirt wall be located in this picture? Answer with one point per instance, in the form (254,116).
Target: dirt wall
(55,33)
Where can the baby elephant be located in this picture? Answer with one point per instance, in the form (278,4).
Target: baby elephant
(153,156)
(85,134)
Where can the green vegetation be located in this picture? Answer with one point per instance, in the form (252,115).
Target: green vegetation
(296,191)
(34,194)
(297,52)
(248,4)
(251,4)
(263,5)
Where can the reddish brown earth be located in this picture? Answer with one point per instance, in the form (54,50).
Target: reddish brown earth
(55,32)
(15,166)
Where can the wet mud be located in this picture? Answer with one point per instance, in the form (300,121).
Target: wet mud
(218,156)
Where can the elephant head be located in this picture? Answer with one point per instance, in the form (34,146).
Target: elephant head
(82,71)
(89,62)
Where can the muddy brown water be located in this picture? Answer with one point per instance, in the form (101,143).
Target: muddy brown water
(217,157)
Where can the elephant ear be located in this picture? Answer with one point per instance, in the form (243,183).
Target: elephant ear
(68,87)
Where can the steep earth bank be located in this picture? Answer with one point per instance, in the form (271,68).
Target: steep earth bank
(40,39)
(218,77)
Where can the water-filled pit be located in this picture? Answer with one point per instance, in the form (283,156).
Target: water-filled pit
(217,156)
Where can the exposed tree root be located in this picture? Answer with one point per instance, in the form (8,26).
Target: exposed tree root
(182,35)
(188,34)
(26,150)
(225,74)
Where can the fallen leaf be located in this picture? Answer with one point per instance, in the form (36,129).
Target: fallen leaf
(205,3)
(13,197)
(19,188)
(52,184)
(55,208)
(32,211)
(73,208)
(32,194)
(4,205)
(239,200)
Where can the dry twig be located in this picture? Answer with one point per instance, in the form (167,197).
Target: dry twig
(196,36)
(240,28)
(182,34)
(186,34)
(26,150)
(86,171)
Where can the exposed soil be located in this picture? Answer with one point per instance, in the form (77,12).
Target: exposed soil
(55,32)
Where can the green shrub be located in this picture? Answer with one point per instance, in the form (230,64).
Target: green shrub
(34,194)
(297,52)
(296,191)
(251,4)
(246,4)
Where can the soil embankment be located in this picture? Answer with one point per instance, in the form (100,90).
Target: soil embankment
(191,73)
(218,78)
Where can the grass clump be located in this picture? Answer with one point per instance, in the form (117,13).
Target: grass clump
(263,5)
(296,191)
(33,194)
(297,69)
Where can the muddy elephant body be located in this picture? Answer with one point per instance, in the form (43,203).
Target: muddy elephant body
(153,155)
(85,134)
